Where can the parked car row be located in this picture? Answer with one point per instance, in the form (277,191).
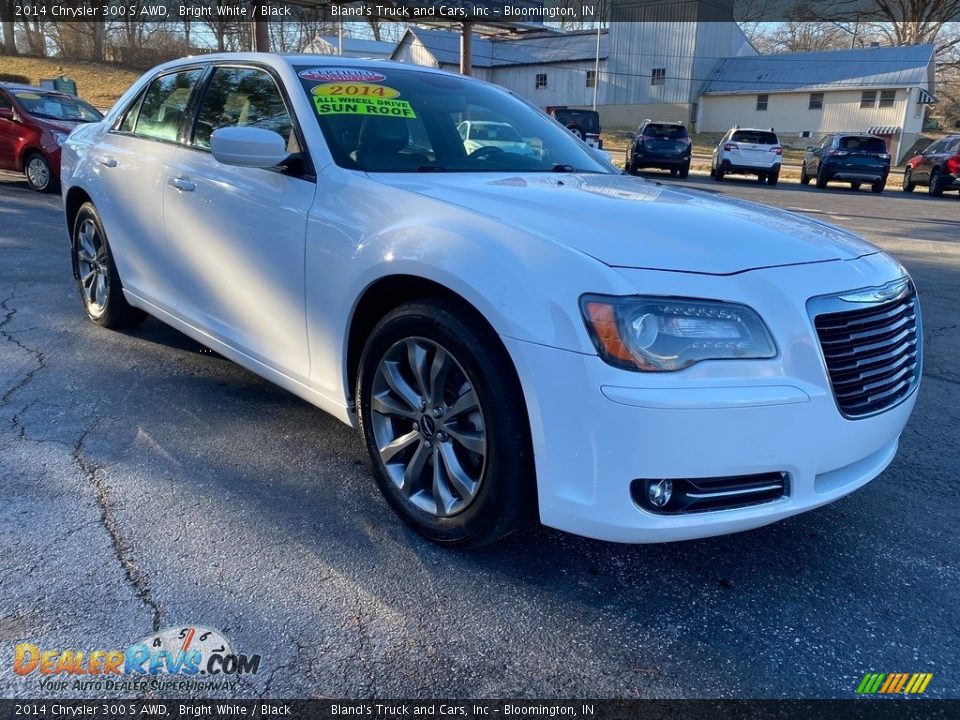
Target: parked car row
(847,157)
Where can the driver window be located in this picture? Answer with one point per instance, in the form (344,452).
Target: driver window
(243,97)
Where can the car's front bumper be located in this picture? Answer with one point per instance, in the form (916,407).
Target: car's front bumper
(596,429)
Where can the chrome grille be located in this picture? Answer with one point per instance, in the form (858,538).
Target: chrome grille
(873,352)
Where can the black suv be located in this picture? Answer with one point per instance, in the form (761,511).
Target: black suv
(938,167)
(585,124)
(661,145)
(855,158)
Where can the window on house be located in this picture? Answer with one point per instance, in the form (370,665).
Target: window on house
(658,76)
(541,80)
(816,101)
(887,97)
(868,99)
(762,102)
(591,78)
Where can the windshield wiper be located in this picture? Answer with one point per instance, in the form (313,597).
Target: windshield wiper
(562,168)
(431,168)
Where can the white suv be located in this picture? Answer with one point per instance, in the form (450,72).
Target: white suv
(745,151)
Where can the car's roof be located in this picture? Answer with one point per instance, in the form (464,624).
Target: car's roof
(857,134)
(662,122)
(736,129)
(31,88)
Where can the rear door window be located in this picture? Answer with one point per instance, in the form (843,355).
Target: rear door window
(863,144)
(165,103)
(755,137)
(665,132)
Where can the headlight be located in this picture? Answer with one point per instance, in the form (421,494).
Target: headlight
(655,334)
(59,138)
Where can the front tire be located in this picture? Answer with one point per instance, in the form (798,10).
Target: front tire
(442,416)
(908,183)
(804,178)
(97,279)
(40,177)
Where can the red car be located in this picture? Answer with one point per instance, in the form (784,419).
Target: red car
(34,122)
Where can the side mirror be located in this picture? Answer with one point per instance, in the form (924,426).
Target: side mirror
(7,114)
(809,148)
(248,147)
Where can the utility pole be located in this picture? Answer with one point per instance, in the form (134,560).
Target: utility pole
(596,67)
(466,48)
(261,38)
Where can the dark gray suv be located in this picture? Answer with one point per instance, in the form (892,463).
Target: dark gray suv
(856,158)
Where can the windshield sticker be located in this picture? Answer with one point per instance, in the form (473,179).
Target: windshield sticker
(325,74)
(363,106)
(354,90)
(27,96)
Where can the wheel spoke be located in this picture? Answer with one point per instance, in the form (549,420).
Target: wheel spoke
(88,278)
(394,406)
(101,284)
(465,403)
(417,361)
(86,239)
(388,451)
(391,373)
(472,440)
(439,370)
(412,476)
(442,496)
(466,486)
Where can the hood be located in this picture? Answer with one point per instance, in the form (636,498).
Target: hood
(64,126)
(634,223)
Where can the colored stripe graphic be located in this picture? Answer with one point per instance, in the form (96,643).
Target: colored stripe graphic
(893,683)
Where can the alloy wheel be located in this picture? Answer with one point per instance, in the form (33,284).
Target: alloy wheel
(429,426)
(93,267)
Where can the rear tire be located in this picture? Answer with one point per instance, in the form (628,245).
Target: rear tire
(773,178)
(97,278)
(854,186)
(908,183)
(935,189)
(718,174)
(878,186)
(441,412)
(804,178)
(821,178)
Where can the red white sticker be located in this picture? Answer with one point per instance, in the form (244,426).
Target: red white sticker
(332,74)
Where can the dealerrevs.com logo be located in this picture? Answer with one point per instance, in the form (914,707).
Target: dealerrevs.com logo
(177,658)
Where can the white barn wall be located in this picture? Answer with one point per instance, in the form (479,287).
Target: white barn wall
(790,113)
(566,82)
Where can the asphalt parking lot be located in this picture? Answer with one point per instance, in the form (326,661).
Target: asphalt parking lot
(148,483)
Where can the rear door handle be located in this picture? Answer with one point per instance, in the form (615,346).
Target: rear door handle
(107,161)
(182,184)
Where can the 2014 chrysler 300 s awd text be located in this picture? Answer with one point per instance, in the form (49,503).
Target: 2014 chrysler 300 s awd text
(510,331)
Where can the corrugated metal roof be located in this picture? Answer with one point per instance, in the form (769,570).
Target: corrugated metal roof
(352,46)
(882,67)
(535,50)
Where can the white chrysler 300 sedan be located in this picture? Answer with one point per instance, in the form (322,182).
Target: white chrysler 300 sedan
(508,331)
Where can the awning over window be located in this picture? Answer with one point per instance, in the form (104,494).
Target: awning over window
(884,130)
(925,98)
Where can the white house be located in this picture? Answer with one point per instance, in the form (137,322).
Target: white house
(546,68)
(883,90)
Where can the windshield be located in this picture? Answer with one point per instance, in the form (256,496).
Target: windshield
(53,106)
(755,137)
(409,121)
(665,132)
(587,119)
(863,144)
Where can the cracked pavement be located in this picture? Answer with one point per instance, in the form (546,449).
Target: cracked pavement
(148,483)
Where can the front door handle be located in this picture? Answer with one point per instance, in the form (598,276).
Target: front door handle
(182,184)
(107,161)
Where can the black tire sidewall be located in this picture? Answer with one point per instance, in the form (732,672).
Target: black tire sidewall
(117,312)
(53,183)
(506,487)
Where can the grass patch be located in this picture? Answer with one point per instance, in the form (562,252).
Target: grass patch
(100,84)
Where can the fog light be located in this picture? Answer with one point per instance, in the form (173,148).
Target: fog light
(659,492)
